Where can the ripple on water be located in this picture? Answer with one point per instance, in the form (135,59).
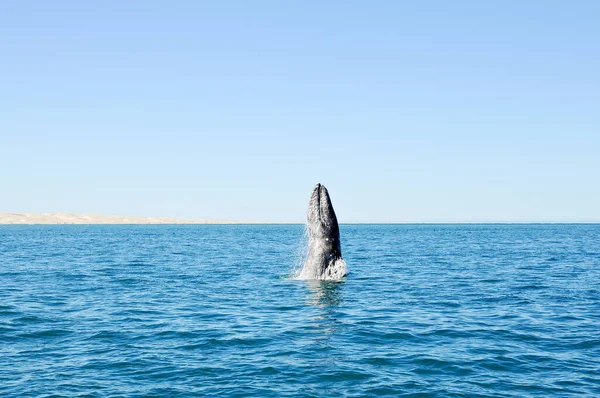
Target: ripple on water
(427,310)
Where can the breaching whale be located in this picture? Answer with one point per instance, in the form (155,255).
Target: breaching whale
(324,259)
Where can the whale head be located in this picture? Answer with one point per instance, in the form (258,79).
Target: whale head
(322,221)
(324,259)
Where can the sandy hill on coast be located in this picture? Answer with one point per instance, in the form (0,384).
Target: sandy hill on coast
(67,218)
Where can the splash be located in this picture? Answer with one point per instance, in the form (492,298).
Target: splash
(336,270)
(300,255)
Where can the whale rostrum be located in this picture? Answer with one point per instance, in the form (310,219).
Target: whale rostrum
(324,259)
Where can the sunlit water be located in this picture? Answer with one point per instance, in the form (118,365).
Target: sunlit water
(454,310)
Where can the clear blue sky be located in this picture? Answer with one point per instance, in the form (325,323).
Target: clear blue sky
(407,111)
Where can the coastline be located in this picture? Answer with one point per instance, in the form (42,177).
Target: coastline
(68,218)
(93,219)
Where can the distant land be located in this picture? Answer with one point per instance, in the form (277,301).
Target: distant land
(67,218)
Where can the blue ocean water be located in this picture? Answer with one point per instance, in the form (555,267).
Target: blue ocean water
(210,310)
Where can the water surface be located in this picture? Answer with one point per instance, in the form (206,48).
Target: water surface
(437,310)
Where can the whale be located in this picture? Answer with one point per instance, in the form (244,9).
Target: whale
(324,259)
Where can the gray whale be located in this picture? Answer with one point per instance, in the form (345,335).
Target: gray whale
(324,259)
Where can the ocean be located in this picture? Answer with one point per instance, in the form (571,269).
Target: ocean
(213,310)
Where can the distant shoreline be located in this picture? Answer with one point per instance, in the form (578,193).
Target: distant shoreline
(96,219)
(68,218)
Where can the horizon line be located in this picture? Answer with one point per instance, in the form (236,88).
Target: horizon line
(96,219)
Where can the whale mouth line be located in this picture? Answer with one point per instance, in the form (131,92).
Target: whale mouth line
(321,203)
(318,189)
